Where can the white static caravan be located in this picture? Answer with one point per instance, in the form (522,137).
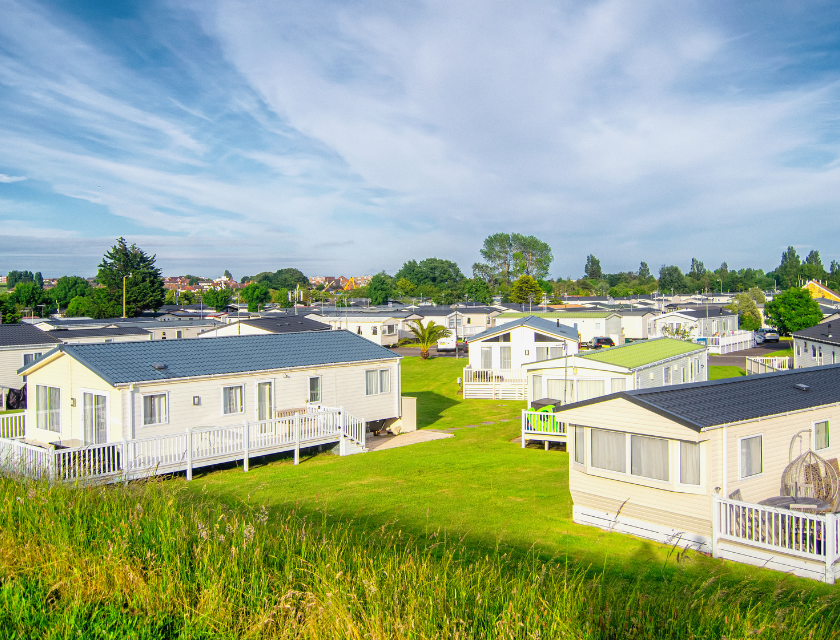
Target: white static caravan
(20,344)
(497,357)
(378,326)
(104,334)
(588,324)
(137,393)
(265,326)
(693,464)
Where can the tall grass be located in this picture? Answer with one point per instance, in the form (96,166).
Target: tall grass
(148,560)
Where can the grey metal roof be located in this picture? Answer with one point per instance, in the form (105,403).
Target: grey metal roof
(821,333)
(286,324)
(66,334)
(707,404)
(125,362)
(552,327)
(24,335)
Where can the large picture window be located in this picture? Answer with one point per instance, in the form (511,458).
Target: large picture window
(751,459)
(590,389)
(154,409)
(609,450)
(232,400)
(689,463)
(649,457)
(821,435)
(48,408)
(378,381)
(505,363)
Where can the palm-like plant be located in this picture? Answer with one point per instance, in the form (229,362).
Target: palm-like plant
(428,335)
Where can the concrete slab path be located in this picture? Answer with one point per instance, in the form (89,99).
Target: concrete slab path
(379,443)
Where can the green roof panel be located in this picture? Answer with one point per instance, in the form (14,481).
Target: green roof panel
(644,352)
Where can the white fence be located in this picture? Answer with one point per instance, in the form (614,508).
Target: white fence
(187,450)
(541,425)
(736,341)
(12,425)
(782,536)
(495,384)
(768,365)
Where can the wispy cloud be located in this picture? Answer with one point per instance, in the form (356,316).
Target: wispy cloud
(9,179)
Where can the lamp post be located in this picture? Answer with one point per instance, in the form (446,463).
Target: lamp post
(124,277)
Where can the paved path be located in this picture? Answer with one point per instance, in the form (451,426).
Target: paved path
(739,358)
(378,443)
(411,351)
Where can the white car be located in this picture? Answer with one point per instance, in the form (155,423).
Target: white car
(446,344)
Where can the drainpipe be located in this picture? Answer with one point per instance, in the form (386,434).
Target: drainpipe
(725,458)
(131,408)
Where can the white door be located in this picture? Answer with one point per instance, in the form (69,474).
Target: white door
(95,418)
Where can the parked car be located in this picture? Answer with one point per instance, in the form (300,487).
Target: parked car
(600,343)
(766,335)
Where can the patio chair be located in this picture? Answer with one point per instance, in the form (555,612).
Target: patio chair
(736,495)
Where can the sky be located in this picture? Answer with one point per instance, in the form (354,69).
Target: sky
(349,137)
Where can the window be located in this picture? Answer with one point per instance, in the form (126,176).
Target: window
(590,389)
(486,358)
(359,330)
(618,384)
(689,463)
(505,357)
(555,352)
(751,464)
(666,376)
(580,445)
(542,354)
(48,408)
(179,334)
(377,381)
(232,400)
(536,387)
(608,450)
(813,351)
(154,409)
(315,389)
(649,457)
(798,350)
(29,358)
(265,404)
(373,330)
(94,417)
(821,435)
(389,330)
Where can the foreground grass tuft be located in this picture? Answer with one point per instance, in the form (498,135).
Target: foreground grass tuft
(150,560)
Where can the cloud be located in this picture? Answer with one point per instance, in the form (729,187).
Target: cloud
(9,179)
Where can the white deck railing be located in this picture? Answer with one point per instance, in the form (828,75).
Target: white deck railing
(814,537)
(186,450)
(494,376)
(497,384)
(736,341)
(537,425)
(768,365)
(12,425)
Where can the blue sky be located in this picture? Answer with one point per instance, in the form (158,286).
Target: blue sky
(349,137)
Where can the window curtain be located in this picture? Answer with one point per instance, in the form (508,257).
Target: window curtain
(750,456)
(821,435)
(232,398)
(590,389)
(542,354)
(555,352)
(486,357)
(580,445)
(47,408)
(94,418)
(618,384)
(264,404)
(505,353)
(371,383)
(689,463)
(536,387)
(154,409)
(649,457)
(554,389)
(385,381)
(666,376)
(609,450)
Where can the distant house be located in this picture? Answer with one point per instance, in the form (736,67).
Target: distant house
(265,325)
(635,323)
(381,326)
(717,328)
(466,320)
(690,465)
(819,290)
(588,323)
(817,345)
(104,334)
(498,356)
(20,345)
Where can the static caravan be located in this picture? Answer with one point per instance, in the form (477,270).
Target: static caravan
(266,325)
(20,344)
(380,327)
(702,464)
(104,334)
(817,345)
(588,324)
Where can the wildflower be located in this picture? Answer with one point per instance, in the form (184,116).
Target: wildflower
(262,518)
(138,508)
(248,533)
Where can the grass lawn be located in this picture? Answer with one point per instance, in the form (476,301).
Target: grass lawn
(477,485)
(782,353)
(717,372)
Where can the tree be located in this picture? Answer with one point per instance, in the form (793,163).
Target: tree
(749,317)
(697,269)
(757,295)
(427,335)
(526,289)
(255,294)
(67,288)
(793,310)
(477,290)
(788,270)
(8,310)
(671,278)
(644,272)
(812,268)
(227,275)
(405,286)
(436,272)
(218,298)
(14,277)
(531,256)
(592,268)
(28,295)
(144,284)
(379,289)
(281,298)
(498,256)
(98,303)
(179,297)
(288,278)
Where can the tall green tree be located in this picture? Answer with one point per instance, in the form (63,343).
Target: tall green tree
(255,294)
(218,298)
(592,269)
(672,279)
(749,316)
(788,270)
(644,272)
(697,269)
(793,310)
(379,289)
(435,272)
(227,275)
(14,277)
(98,303)
(477,290)
(812,268)
(28,295)
(497,251)
(67,288)
(144,284)
(526,289)
(9,313)
(288,278)
(531,256)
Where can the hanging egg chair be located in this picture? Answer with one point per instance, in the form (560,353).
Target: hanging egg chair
(810,476)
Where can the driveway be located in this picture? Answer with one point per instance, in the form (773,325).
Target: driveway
(739,358)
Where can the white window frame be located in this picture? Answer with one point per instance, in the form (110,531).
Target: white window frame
(583,435)
(628,445)
(39,411)
(81,407)
(222,399)
(379,390)
(741,475)
(35,355)
(320,389)
(678,470)
(165,395)
(814,433)
(257,384)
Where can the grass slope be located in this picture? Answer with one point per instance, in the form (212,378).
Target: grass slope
(718,372)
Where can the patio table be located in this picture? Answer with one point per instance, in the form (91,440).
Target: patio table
(784,502)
